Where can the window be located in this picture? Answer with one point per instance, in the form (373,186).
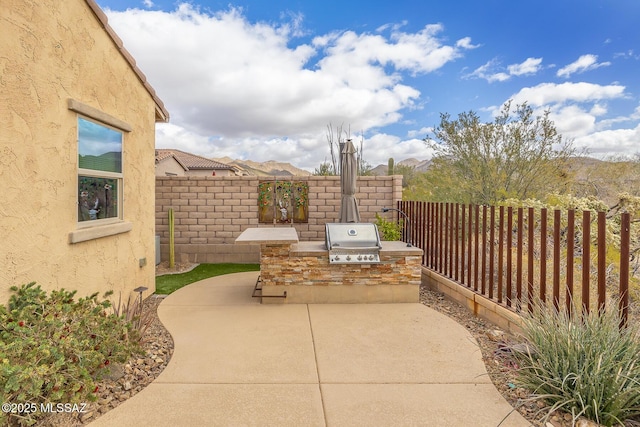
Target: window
(99,171)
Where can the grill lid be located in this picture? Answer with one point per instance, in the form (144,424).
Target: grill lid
(352,236)
(353,243)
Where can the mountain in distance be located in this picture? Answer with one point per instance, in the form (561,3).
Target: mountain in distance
(269,168)
(418,165)
(275,168)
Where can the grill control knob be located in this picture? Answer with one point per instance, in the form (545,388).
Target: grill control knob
(359,257)
(370,257)
(337,258)
(348,258)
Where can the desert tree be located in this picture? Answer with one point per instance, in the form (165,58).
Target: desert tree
(336,137)
(325,169)
(518,155)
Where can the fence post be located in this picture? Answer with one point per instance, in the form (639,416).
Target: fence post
(556,259)
(543,255)
(469,246)
(447,224)
(463,241)
(457,239)
(571,230)
(530,255)
(519,258)
(483,270)
(586,259)
(476,248)
(492,237)
(602,260)
(500,253)
(625,232)
(509,256)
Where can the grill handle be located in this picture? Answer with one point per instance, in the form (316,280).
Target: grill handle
(355,248)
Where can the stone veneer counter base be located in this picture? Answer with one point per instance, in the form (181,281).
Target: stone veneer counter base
(303,271)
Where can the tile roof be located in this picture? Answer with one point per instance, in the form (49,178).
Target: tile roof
(162,115)
(190,161)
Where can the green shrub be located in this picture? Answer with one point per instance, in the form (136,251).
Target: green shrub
(132,313)
(389,230)
(53,349)
(586,366)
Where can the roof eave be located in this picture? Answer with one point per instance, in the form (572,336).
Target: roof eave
(161,113)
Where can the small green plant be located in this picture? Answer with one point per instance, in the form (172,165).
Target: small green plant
(389,230)
(54,349)
(132,313)
(584,365)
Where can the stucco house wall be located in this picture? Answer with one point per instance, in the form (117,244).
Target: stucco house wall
(169,167)
(59,60)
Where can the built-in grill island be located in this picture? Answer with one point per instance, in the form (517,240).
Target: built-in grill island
(352,266)
(352,243)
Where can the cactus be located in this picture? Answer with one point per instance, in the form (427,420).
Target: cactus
(172,254)
(391,166)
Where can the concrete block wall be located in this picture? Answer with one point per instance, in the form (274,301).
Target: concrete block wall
(211,212)
(476,303)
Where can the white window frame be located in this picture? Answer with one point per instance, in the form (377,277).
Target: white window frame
(93,229)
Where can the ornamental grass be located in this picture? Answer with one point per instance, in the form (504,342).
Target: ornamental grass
(583,365)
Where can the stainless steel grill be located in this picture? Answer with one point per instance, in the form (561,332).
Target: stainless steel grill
(353,243)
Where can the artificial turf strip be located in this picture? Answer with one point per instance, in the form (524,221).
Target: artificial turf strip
(169,283)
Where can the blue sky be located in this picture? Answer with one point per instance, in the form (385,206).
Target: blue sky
(262,80)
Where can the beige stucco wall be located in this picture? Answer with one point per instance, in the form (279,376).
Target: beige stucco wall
(169,167)
(53,51)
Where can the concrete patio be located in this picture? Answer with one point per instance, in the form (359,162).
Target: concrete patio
(239,362)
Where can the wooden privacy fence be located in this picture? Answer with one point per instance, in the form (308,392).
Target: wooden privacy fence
(517,256)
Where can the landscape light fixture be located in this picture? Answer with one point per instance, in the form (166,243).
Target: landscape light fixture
(140,290)
(407,222)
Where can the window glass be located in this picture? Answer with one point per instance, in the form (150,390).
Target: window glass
(98,198)
(100,171)
(99,147)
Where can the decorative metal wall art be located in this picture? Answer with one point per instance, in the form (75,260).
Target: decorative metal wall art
(283,202)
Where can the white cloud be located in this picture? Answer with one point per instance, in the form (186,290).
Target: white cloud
(305,151)
(611,142)
(380,147)
(598,110)
(608,123)
(393,27)
(488,72)
(548,93)
(573,121)
(147,3)
(246,89)
(577,109)
(582,64)
(629,54)
(465,43)
(420,52)
(529,66)
(420,133)
(492,71)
